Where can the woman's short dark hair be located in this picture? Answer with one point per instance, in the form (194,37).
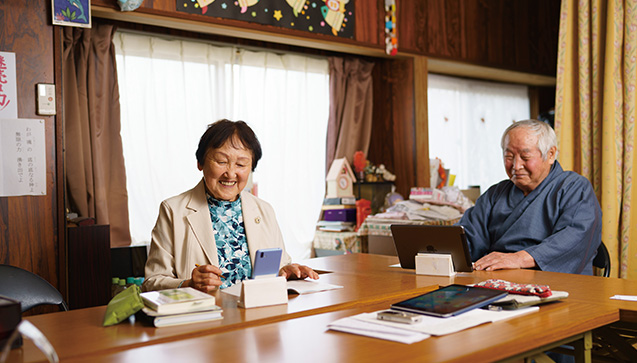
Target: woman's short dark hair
(223,130)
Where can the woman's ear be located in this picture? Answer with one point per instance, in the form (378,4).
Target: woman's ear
(199,166)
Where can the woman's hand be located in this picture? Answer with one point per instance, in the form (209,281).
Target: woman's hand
(296,271)
(204,278)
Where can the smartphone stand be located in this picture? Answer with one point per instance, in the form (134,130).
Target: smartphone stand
(434,264)
(263,292)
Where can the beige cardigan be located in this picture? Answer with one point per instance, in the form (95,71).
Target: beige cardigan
(183,236)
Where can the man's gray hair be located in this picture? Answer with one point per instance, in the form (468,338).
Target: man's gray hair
(546,138)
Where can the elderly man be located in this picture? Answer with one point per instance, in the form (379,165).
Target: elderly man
(542,217)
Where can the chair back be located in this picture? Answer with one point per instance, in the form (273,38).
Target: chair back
(28,288)
(602,260)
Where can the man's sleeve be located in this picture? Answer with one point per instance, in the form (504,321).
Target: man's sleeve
(576,233)
(474,222)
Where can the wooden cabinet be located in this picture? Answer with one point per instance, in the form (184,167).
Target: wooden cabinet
(89,266)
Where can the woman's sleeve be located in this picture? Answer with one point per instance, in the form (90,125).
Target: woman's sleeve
(160,267)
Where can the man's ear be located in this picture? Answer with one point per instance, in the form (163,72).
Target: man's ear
(551,155)
(199,166)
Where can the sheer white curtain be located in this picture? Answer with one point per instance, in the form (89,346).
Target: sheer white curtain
(466,121)
(172,89)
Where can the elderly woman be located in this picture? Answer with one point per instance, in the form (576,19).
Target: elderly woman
(207,237)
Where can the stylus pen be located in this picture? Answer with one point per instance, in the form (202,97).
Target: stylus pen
(493,308)
(223,271)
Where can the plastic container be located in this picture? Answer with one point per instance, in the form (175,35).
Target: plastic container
(121,286)
(114,286)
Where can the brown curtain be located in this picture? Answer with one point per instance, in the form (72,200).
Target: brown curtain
(350,121)
(94,159)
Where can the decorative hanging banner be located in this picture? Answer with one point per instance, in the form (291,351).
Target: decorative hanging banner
(332,17)
(391,39)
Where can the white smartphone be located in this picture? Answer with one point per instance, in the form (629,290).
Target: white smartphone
(399,316)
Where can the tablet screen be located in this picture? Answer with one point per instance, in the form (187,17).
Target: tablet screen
(450,300)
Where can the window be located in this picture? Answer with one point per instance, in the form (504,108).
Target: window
(466,121)
(170,90)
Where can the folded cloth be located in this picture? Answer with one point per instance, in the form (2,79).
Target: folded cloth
(513,288)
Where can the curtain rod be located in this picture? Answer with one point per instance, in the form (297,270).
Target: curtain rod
(217,43)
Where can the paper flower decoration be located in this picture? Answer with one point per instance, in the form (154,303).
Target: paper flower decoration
(359,161)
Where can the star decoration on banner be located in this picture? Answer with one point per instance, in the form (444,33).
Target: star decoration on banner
(277,15)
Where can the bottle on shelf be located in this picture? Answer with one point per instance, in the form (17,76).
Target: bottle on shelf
(121,286)
(114,286)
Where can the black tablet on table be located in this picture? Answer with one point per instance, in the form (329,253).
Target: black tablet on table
(411,239)
(450,300)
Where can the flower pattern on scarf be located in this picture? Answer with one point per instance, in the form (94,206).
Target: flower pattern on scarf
(230,237)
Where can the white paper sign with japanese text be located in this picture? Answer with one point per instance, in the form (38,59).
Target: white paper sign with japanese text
(23,157)
(8,88)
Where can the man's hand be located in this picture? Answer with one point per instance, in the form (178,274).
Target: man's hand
(499,261)
(294,270)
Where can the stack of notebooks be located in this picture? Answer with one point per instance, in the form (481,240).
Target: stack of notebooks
(178,306)
(339,214)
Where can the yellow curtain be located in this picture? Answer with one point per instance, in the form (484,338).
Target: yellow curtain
(595,113)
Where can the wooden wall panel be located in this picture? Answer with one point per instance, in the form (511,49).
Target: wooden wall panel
(369,22)
(393,139)
(29,224)
(517,35)
(524,36)
(476,25)
(441,28)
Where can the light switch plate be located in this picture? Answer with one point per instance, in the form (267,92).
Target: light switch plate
(45,99)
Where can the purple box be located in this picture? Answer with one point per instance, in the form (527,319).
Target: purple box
(341,215)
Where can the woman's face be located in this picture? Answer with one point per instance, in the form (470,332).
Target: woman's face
(226,170)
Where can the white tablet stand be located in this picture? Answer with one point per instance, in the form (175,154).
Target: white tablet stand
(434,264)
(263,292)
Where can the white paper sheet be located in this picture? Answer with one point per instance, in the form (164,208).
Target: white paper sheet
(360,327)
(23,157)
(429,325)
(300,286)
(624,297)
(308,286)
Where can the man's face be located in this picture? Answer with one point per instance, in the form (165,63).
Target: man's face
(523,160)
(226,170)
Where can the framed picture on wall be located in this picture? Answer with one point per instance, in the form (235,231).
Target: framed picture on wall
(72,13)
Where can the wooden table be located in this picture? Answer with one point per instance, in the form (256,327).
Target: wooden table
(84,328)
(370,284)
(307,339)
(590,289)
